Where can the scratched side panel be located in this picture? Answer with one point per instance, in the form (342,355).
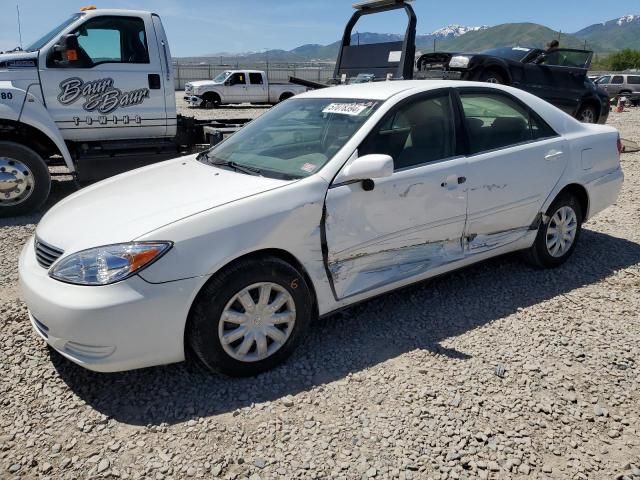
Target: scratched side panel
(409,224)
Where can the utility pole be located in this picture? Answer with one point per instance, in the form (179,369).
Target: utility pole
(19,27)
(434,45)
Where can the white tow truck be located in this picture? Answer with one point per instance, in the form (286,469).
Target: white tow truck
(97,95)
(238,86)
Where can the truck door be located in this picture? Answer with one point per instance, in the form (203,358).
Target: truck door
(257,88)
(110,85)
(235,90)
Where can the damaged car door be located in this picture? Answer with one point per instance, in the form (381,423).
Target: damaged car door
(399,227)
(515,161)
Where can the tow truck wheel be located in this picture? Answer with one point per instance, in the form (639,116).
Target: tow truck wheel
(24,180)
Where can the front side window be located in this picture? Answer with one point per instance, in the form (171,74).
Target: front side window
(416,133)
(295,139)
(237,79)
(567,58)
(110,40)
(495,121)
(617,80)
(255,79)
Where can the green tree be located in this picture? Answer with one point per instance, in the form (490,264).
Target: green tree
(624,60)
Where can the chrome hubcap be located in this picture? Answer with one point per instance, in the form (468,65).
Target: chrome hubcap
(587,116)
(16,182)
(561,231)
(257,322)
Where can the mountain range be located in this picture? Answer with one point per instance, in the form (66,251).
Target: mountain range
(607,37)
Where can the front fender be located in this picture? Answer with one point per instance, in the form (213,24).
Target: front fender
(11,104)
(36,115)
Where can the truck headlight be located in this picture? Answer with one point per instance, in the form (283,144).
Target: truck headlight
(108,264)
(459,61)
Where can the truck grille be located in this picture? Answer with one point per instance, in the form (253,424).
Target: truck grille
(46,254)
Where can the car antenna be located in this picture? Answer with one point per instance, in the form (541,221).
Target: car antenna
(19,27)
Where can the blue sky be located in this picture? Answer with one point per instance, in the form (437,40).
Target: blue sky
(198,27)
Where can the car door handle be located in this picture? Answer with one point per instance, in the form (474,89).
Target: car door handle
(453,181)
(553,155)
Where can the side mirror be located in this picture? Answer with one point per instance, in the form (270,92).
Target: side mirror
(367,167)
(227,83)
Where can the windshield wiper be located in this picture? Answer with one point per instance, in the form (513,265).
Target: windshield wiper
(236,166)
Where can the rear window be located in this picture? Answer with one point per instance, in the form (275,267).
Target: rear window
(633,80)
(255,78)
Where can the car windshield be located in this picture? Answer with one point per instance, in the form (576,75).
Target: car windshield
(221,77)
(511,53)
(295,139)
(42,41)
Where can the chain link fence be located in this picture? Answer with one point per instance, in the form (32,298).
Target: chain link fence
(187,72)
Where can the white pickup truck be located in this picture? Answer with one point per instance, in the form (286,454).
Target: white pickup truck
(238,86)
(97,95)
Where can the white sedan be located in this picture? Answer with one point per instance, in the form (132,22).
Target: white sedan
(328,199)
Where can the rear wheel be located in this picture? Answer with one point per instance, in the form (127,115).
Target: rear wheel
(557,239)
(285,96)
(24,180)
(587,114)
(493,76)
(250,317)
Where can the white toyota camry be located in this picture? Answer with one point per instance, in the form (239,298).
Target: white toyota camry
(328,199)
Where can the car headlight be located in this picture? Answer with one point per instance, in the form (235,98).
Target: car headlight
(108,264)
(459,61)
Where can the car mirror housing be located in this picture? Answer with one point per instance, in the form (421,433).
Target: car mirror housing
(367,167)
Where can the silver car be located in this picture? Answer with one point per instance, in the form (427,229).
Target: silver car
(620,84)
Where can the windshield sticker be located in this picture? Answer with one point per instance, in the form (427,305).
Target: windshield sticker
(99,95)
(308,167)
(395,57)
(347,108)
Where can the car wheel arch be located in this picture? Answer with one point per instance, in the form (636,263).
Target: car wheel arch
(256,255)
(579,192)
(498,68)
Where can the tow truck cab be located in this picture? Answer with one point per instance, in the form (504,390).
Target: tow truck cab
(97,94)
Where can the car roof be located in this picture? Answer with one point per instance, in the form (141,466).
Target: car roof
(378,90)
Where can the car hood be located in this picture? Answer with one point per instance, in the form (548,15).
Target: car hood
(127,206)
(18,60)
(203,83)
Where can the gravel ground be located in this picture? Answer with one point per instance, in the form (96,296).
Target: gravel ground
(497,371)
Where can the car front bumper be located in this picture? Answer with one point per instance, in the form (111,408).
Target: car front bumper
(193,100)
(124,326)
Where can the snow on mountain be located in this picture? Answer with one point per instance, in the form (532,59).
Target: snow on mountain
(628,19)
(456,30)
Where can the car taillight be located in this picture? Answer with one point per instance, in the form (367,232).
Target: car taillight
(620,145)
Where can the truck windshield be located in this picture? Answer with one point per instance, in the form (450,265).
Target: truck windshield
(295,139)
(42,41)
(221,77)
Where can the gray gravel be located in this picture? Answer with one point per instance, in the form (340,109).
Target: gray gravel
(498,371)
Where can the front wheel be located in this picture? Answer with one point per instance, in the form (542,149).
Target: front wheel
(24,180)
(250,317)
(587,114)
(557,238)
(492,76)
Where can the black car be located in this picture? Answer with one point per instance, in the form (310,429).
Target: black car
(559,76)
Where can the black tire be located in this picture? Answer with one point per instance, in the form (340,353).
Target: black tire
(492,76)
(39,172)
(587,114)
(206,314)
(538,255)
(285,96)
(211,100)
